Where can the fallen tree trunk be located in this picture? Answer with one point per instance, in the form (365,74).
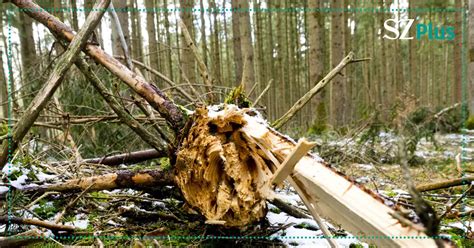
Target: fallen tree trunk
(229,155)
(445,184)
(118,180)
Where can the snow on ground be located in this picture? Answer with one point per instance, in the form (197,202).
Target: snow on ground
(303,232)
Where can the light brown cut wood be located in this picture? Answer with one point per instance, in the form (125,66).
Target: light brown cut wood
(290,161)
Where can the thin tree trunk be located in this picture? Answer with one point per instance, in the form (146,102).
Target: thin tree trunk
(168,43)
(203,33)
(338,96)
(236,37)
(457,64)
(75,22)
(315,23)
(248,73)
(153,54)
(216,63)
(187,59)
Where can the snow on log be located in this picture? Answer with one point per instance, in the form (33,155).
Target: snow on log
(228,157)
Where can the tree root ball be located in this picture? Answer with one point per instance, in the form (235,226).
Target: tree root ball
(220,170)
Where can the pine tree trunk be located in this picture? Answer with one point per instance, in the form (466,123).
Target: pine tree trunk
(338,97)
(236,37)
(187,59)
(153,54)
(457,65)
(168,43)
(316,67)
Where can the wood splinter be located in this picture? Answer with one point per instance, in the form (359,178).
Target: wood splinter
(286,168)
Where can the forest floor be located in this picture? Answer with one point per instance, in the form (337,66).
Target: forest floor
(136,218)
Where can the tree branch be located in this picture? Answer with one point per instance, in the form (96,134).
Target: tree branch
(53,82)
(157,99)
(319,86)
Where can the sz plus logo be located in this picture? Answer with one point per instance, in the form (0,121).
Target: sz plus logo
(428,30)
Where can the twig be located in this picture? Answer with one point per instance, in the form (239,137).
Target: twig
(457,201)
(263,93)
(123,158)
(124,115)
(39,198)
(163,77)
(319,86)
(72,203)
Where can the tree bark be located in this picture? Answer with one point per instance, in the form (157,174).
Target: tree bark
(236,38)
(248,73)
(153,53)
(186,58)
(316,67)
(338,97)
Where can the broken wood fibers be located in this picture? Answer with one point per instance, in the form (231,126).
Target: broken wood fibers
(221,172)
(228,157)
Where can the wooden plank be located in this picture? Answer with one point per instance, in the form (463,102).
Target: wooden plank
(339,201)
(291,160)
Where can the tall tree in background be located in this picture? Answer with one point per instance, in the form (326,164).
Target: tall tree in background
(27,44)
(216,54)
(203,33)
(151,30)
(3,78)
(471,56)
(316,67)
(248,75)
(186,58)
(413,55)
(168,43)
(75,22)
(137,46)
(457,65)
(122,14)
(236,37)
(338,97)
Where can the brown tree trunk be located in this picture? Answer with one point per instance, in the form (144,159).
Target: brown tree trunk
(236,37)
(338,97)
(27,43)
(186,58)
(137,46)
(316,67)
(153,54)
(122,14)
(248,73)
(203,34)
(168,43)
(457,65)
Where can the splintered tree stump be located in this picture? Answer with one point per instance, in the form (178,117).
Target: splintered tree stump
(220,171)
(226,163)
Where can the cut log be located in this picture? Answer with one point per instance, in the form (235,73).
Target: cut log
(228,156)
